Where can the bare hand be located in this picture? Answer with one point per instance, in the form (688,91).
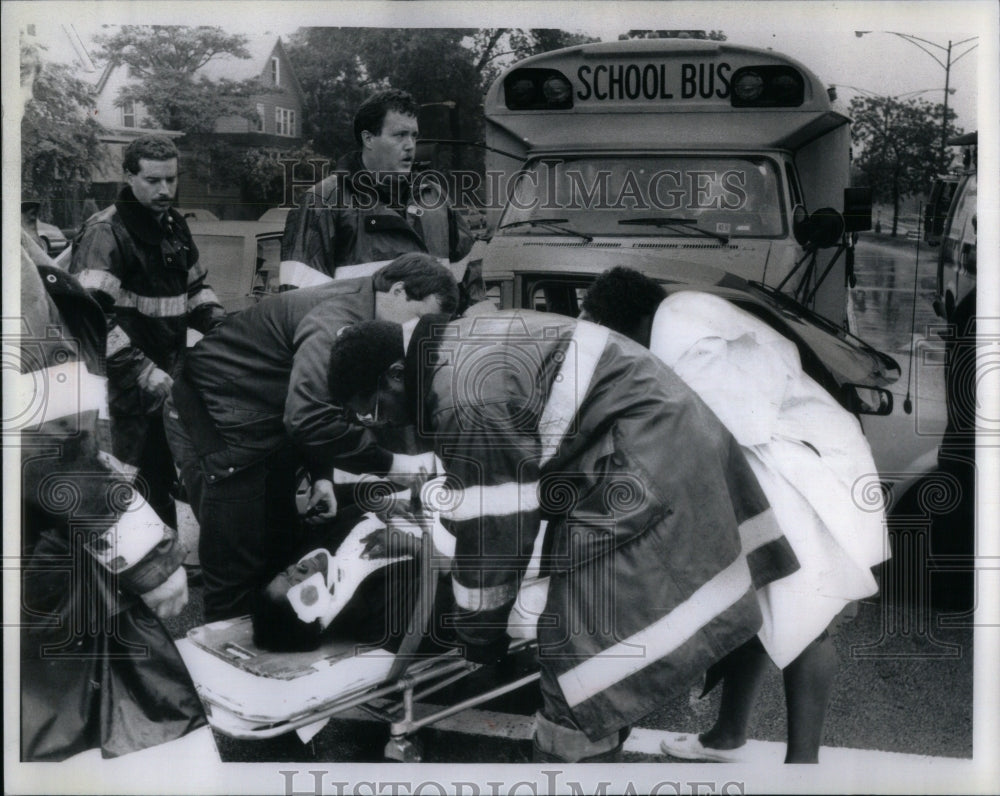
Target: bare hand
(412,471)
(159,382)
(322,506)
(169,598)
(397,535)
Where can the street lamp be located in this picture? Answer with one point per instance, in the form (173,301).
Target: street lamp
(871,93)
(946,64)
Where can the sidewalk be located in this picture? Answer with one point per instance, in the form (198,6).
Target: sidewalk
(902,241)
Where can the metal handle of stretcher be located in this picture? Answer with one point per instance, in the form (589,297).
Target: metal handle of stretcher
(399,747)
(450,665)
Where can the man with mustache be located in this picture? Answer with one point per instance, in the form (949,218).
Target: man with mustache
(137,258)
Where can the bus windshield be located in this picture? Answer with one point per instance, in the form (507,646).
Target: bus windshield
(677,196)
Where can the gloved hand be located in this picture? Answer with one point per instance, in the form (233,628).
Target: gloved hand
(487,653)
(411,471)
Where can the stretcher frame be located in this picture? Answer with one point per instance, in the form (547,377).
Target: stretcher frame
(393,701)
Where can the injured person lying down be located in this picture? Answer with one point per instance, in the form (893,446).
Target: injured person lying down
(366,591)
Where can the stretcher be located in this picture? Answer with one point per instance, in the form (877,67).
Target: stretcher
(249,693)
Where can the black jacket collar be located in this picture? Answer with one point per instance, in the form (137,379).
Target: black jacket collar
(140,222)
(398,198)
(418,368)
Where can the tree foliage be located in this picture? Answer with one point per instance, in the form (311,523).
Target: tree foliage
(898,145)
(262,173)
(710,35)
(165,60)
(59,137)
(339,67)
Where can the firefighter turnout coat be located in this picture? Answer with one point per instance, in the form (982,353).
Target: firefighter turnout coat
(348,219)
(151,284)
(646,497)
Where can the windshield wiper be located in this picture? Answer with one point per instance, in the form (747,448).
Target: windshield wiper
(686,224)
(549,224)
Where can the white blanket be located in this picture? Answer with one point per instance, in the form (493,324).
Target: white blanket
(809,454)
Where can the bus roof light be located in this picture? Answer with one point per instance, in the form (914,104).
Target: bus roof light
(521,93)
(767,87)
(537,90)
(748,86)
(557,90)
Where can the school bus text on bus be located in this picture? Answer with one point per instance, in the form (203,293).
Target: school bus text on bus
(654,81)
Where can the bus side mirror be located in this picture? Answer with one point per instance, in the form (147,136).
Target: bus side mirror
(821,230)
(857,209)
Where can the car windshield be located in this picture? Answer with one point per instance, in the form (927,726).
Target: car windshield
(701,197)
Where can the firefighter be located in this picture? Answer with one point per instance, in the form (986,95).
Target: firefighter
(536,416)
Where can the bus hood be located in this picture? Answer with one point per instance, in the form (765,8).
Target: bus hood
(659,257)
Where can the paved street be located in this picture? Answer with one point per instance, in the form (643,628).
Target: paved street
(905,685)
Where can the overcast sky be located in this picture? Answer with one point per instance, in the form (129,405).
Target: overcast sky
(820,34)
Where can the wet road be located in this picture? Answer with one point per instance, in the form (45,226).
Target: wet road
(883,313)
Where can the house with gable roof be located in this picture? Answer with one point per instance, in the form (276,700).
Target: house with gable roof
(205,182)
(276,128)
(279,109)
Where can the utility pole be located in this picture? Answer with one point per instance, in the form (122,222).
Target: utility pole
(945,64)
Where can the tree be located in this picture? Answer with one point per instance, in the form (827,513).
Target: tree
(711,35)
(165,60)
(60,147)
(897,146)
(339,67)
(443,68)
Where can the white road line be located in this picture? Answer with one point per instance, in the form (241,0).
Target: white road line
(509,726)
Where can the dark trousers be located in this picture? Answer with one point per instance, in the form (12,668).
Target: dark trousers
(250,528)
(142,442)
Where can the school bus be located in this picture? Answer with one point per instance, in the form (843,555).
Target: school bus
(678,157)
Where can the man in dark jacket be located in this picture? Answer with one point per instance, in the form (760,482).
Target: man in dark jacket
(139,261)
(252,403)
(370,209)
(537,416)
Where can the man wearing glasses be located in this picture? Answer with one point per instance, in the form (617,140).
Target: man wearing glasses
(253,405)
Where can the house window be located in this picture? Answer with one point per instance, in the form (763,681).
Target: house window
(128,113)
(284,122)
(275,72)
(259,122)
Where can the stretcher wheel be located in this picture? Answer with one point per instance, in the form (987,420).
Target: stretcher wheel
(403,750)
